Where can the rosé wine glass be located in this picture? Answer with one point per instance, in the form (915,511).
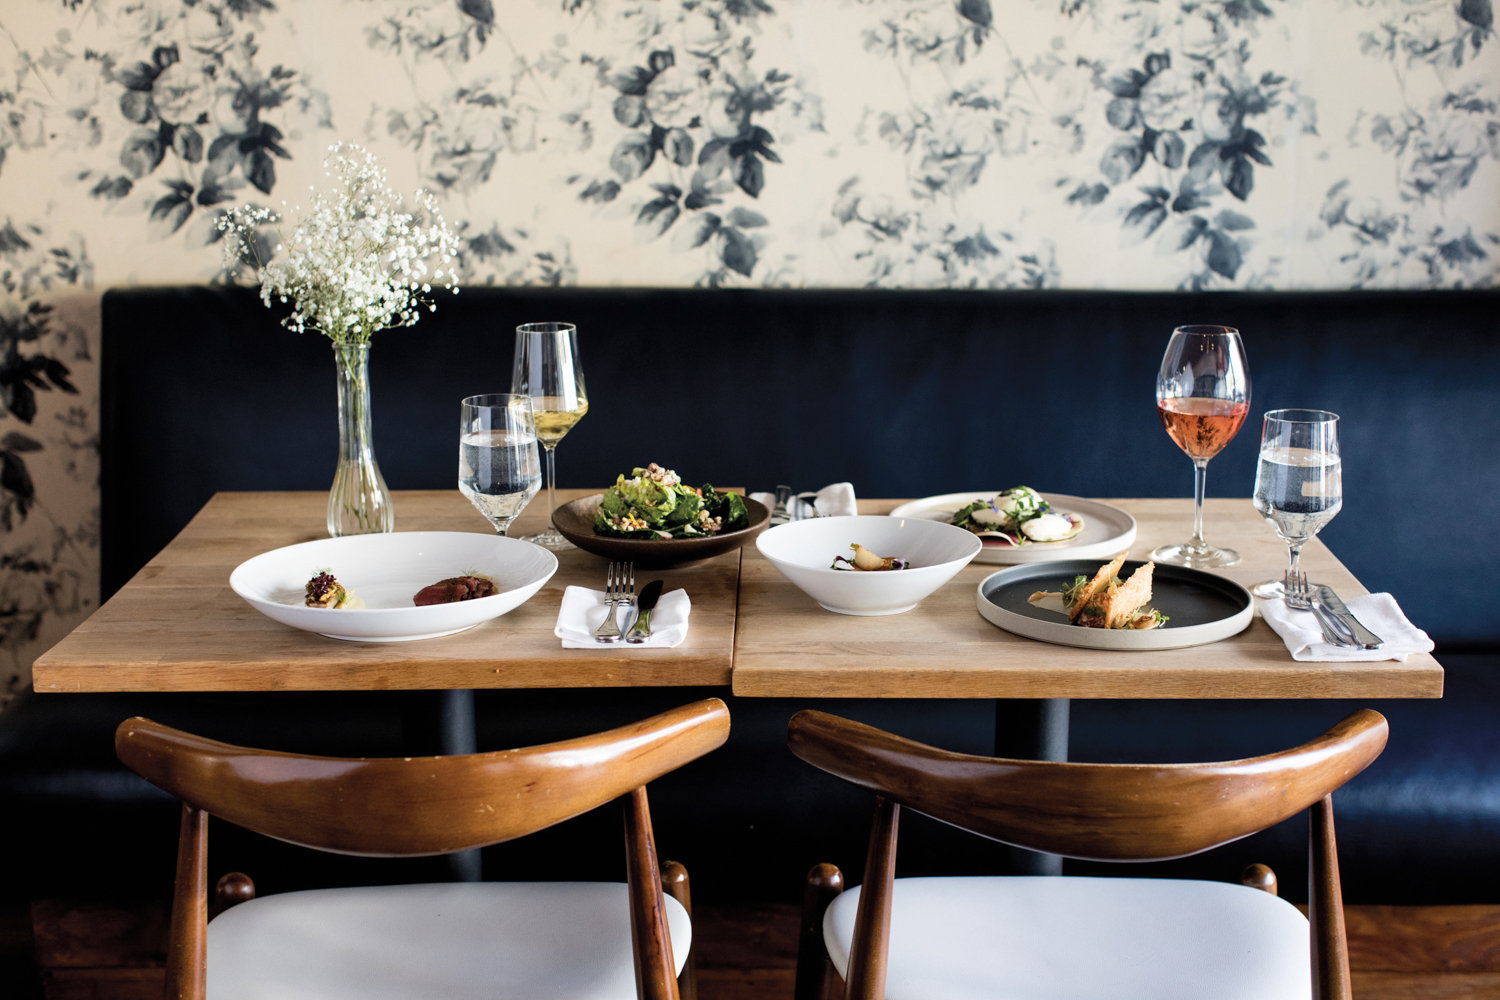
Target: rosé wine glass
(1202,397)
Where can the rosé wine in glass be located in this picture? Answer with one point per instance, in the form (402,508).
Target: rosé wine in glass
(1202,397)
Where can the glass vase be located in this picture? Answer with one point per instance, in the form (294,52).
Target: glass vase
(359,502)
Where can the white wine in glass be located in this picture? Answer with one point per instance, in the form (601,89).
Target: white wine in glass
(554,419)
(547,369)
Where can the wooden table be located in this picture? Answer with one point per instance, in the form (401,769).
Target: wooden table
(176,626)
(788,647)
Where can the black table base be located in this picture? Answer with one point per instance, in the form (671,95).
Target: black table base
(1032,729)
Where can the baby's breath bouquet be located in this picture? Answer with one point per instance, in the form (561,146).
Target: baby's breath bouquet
(355,263)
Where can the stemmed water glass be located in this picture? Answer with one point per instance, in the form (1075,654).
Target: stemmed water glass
(547,370)
(498,466)
(1298,481)
(1202,396)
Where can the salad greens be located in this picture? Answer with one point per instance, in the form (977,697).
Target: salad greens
(1005,517)
(654,504)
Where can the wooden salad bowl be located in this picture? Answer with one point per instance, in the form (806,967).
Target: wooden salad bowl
(575,522)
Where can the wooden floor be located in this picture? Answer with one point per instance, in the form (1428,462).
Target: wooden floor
(76,951)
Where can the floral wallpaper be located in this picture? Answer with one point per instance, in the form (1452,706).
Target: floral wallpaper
(1194,144)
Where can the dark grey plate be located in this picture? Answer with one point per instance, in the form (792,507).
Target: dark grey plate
(1202,607)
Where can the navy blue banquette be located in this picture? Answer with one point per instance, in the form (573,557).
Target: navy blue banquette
(904,394)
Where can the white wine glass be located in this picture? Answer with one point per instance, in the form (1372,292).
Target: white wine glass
(1202,397)
(1299,481)
(547,370)
(499,469)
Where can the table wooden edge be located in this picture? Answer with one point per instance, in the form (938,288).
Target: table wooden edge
(1380,679)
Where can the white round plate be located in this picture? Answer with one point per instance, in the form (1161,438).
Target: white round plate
(1107,531)
(1201,607)
(387,570)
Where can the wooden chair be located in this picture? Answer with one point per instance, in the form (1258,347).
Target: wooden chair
(1052,937)
(448,941)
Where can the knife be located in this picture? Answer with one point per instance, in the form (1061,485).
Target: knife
(641,630)
(1363,636)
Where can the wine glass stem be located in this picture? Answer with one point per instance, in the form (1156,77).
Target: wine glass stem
(551,485)
(1200,478)
(1294,554)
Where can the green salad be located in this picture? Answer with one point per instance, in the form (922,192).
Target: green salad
(1017,516)
(654,504)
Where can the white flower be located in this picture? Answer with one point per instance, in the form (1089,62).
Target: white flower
(1167,99)
(357,262)
(182,92)
(675,97)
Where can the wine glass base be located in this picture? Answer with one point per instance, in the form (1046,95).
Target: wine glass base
(1207,557)
(550,540)
(1274,589)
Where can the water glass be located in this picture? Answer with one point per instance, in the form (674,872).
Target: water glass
(499,469)
(1298,480)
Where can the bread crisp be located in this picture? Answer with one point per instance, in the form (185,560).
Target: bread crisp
(1133,595)
(1095,587)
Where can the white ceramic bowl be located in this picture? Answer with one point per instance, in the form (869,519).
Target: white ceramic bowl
(387,570)
(804,550)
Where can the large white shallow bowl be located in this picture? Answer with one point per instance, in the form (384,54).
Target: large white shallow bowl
(387,570)
(804,550)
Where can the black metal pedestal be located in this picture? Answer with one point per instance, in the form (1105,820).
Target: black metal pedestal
(1032,729)
(442,722)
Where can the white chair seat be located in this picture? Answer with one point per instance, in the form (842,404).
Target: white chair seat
(1063,938)
(452,941)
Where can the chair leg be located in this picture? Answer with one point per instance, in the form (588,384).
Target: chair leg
(187,939)
(674,882)
(815,972)
(864,978)
(1331,979)
(651,940)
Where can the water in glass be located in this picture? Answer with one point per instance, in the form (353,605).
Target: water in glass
(499,469)
(1298,481)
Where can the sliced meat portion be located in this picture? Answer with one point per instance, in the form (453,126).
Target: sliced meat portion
(455,588)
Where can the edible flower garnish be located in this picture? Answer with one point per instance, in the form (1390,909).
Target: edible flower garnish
(865,561)
(323,591)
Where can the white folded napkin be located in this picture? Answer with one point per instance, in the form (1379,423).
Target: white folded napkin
(833,500)
(583,611)
(1377,612)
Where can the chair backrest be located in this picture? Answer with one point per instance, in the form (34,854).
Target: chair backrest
(406,806)
(1099,812)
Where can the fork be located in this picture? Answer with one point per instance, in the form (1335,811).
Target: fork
(616,578)
(1299,597)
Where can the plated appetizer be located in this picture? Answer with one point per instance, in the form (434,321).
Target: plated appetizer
(865,561)
(654,504)
(323,591)
(1017,516)
(456,588)
(1106,601)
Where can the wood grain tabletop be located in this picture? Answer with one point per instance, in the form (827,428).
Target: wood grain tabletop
(786,646)
(177,626)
